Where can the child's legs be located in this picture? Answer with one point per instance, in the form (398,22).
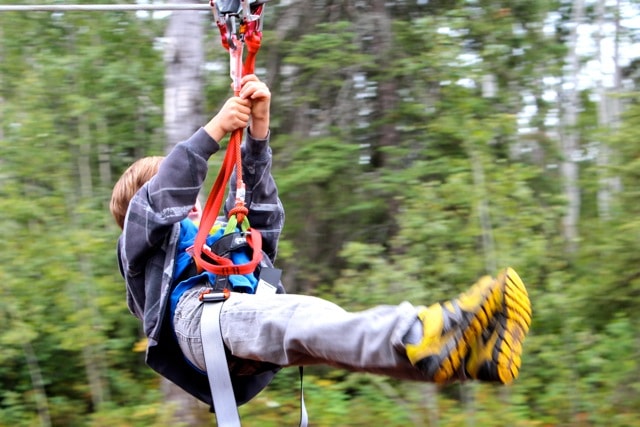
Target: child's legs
(291,330)
(301,330)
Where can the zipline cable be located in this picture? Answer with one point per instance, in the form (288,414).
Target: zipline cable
(101,7)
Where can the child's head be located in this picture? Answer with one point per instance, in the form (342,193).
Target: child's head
(129,183)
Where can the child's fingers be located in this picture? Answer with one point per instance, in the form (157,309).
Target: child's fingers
(255,90)
(249,78)
(235,113)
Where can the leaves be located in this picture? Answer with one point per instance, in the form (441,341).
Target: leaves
(403,179)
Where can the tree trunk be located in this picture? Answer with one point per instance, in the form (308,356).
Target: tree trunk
(569,136)
(84,158)
(387,98)
(39,391)
(608,114)
(430,393)
(184,85)
(484,217)
(183,104)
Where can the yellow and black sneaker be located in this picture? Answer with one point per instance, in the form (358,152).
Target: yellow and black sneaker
(495,354)
(449,328)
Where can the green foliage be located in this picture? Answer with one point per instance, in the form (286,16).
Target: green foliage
(325,57)
(73,103)
(462,192)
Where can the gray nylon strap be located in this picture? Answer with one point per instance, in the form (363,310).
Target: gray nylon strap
(224,401)
(215,359)
(304,419)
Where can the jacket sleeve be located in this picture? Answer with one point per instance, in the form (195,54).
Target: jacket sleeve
(165,200)
(266,212)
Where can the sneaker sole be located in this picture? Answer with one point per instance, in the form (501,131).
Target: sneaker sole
(495,355)
(443,350)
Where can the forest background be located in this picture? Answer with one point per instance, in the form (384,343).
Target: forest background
(417,146)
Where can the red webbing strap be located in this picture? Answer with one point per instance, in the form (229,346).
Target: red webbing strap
(223,266)
(233,158)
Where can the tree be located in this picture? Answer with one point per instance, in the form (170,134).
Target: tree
(416,147)
(183,104)
(64,105)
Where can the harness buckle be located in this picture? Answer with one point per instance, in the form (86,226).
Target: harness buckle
(208,295)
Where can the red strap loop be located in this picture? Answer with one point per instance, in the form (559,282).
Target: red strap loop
(224,266)
(252,39)
(240,212)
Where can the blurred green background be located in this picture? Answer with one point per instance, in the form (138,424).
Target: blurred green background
(417,146)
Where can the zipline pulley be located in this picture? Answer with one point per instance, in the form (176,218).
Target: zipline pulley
(240,23)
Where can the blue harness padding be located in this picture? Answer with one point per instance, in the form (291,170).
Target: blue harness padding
(239,283)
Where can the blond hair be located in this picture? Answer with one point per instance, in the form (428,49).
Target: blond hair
(132,179)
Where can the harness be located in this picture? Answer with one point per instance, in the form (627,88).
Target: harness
(240,24)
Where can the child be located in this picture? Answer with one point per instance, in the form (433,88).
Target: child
(478,335)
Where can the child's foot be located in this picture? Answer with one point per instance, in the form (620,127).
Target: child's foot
(448,329)
(495,354)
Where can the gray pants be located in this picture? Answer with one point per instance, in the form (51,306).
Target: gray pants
(299,330)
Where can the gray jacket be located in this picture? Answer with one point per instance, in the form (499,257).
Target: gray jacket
(146,248)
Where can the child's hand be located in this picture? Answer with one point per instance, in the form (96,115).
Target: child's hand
(233,115)
(258,93)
